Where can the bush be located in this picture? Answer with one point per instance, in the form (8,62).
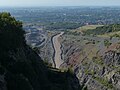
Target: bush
(107,43)
(104,82)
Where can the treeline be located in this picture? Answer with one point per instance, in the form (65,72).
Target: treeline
(103,30)
(62,25)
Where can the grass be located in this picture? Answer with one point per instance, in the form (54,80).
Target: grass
(93,53)
(107,43)
(104,82)
(87,27)
(90,51)
(110,34)
(98,61)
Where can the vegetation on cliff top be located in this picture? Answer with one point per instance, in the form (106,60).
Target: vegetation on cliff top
(104,29)
(11,33)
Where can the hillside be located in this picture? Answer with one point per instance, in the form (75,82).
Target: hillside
(21,68)
(103,29)
(95,60)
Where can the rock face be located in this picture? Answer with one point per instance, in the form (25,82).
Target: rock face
(100,74)
(21,68)
(28,72)
(94,71)
(112,58)
(40,40)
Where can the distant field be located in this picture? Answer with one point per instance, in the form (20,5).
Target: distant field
(87,27)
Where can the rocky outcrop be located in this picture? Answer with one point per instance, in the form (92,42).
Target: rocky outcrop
(100,73)
(112,58)
(95,71)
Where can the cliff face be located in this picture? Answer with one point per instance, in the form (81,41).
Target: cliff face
(24,70)
(21,68)
(101,73)
(94,70)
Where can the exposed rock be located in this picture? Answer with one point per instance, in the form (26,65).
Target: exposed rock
(95,71)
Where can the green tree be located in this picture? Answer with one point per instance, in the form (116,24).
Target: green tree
(11,32)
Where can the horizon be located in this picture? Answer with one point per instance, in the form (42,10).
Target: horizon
(57,3)
(57,6)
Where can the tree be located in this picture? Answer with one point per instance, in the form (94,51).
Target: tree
(11,32)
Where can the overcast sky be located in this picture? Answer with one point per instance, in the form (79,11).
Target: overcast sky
(59,3)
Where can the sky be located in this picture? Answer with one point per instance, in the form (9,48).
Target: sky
(36,3)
